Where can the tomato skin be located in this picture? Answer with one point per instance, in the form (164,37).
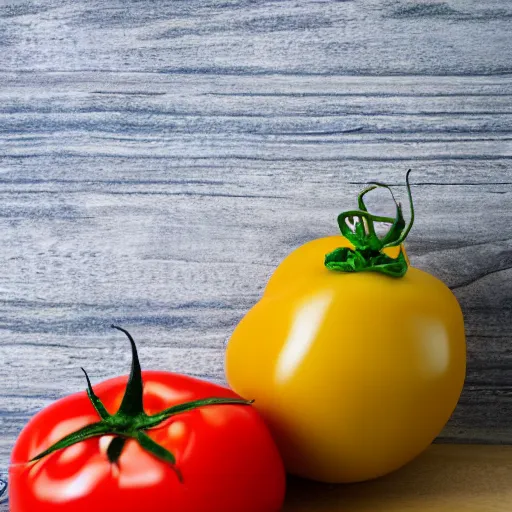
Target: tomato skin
(225,453)
(355,373)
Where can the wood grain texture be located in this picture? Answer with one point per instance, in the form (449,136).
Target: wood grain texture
(159,159)
(445,478)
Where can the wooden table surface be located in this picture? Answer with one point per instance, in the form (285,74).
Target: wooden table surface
(446,478)
(159,159)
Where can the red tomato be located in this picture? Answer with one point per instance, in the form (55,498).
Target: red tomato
(225,458)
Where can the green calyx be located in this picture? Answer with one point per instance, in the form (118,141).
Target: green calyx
(130,421)
(358,227)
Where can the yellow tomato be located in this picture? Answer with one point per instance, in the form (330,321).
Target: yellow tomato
(355,372)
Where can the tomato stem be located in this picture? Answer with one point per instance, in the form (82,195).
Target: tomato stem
(96,402)
(132,404)
(115,449)
(357,226)
(130,421)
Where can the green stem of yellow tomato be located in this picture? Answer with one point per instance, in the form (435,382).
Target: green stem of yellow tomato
(367,253)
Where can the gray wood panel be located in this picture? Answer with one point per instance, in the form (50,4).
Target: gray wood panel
(158,160)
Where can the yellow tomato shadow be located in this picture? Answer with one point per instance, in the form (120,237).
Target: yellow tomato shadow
(446,478)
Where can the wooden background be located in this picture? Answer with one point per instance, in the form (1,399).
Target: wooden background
(159,158)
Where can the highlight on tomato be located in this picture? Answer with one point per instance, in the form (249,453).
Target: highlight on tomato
(355,358)
(151,441)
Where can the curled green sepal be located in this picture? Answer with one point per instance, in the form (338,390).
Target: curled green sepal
(131,421)
(357,226)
